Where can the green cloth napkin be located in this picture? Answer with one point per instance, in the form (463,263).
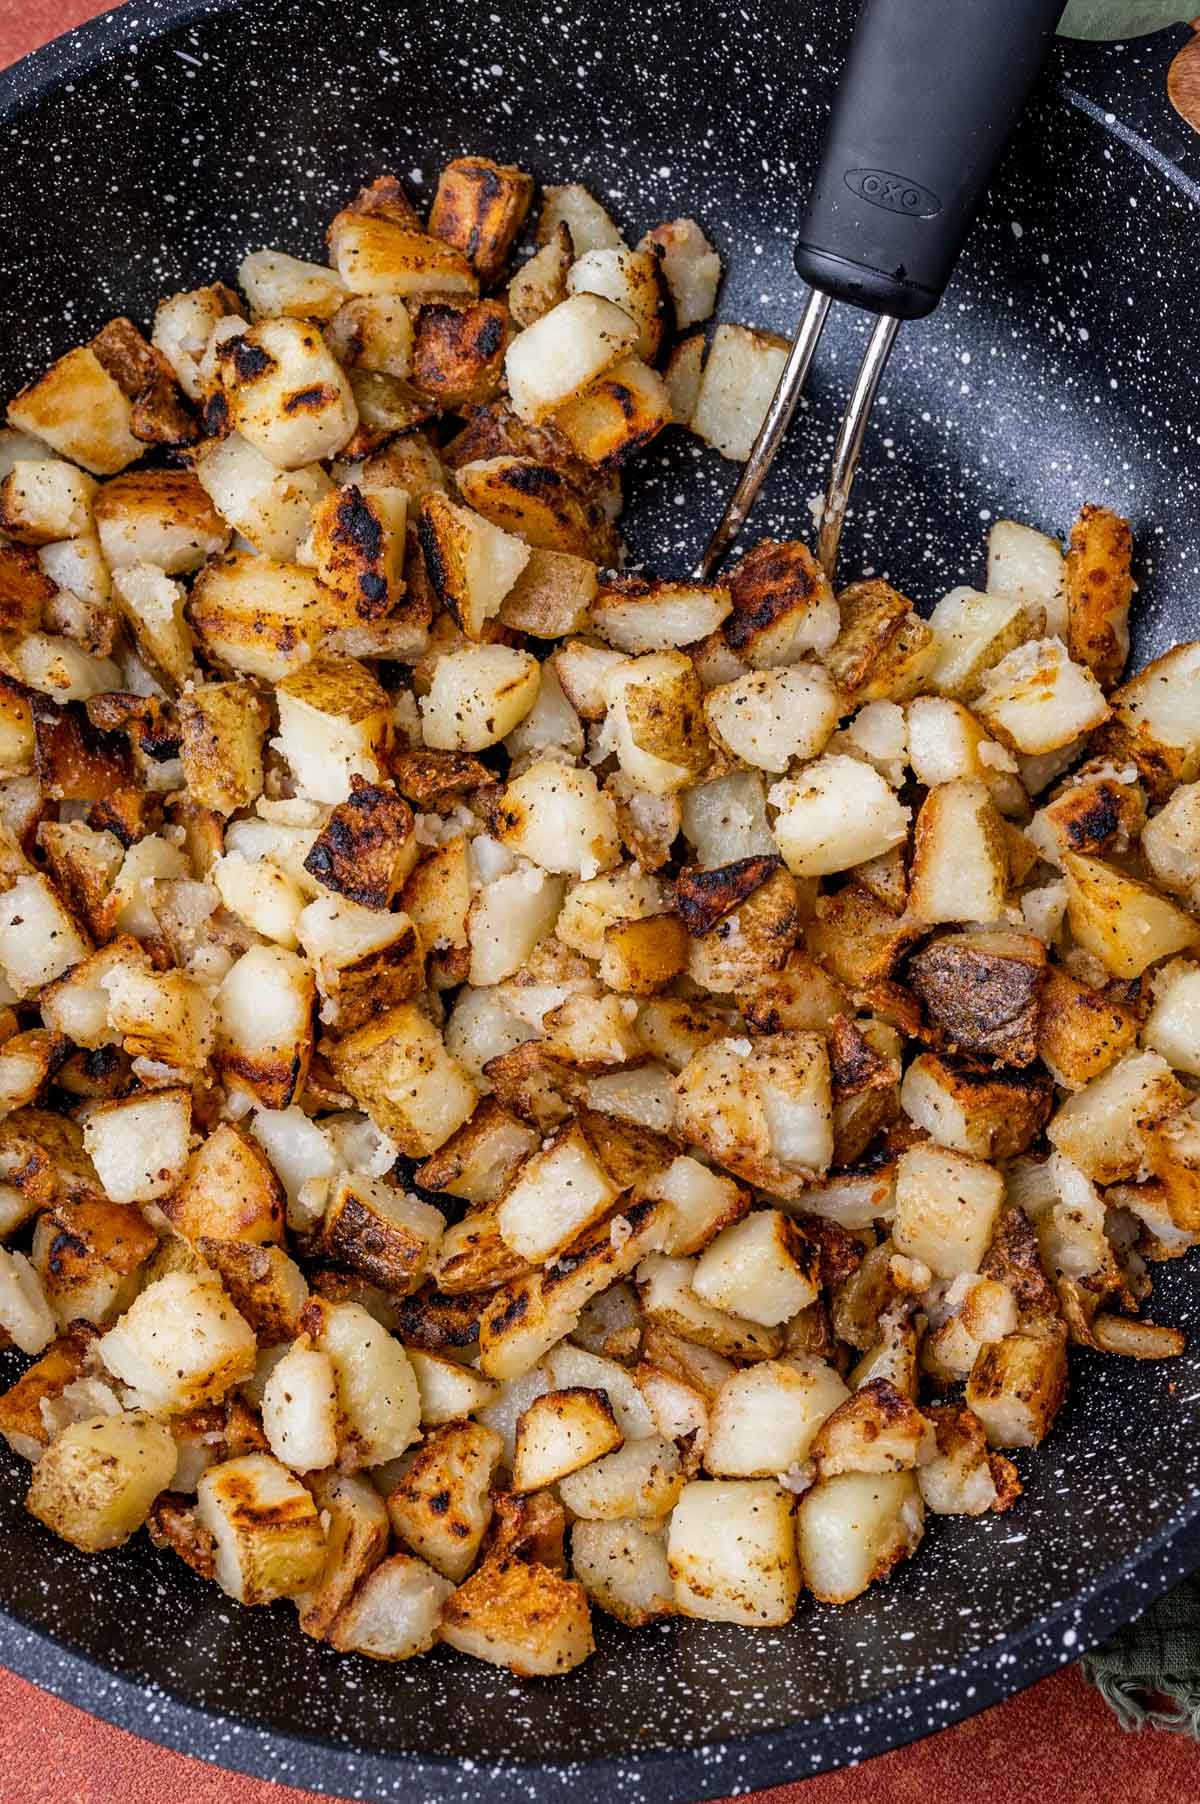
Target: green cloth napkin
(1149,1673)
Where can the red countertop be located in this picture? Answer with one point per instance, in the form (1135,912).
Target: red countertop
(1054,1740)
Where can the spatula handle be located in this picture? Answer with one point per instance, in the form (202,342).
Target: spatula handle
(928,99)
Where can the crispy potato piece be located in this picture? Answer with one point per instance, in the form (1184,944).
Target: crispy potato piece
(367,847)
(1080,1030)
(521,1615)
(458,356)
(1099,590)
(479,208)
(983,991)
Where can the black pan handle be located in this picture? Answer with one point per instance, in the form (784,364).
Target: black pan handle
(928,100)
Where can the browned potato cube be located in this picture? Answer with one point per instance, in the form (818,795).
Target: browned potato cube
(89,1255)
(982,990)
(479,208)
(229,1191)
(268,1539)
(441,1507)
(95,1483)
(1081,1031)
(560,1432)
(522,1616)
(398,1068)
(266,1287)
(373,1227)
(458,358)
(1099,590)
(223,726)
(79,410)
(1017,1386)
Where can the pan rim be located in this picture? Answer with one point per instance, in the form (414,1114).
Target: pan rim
(671,1775)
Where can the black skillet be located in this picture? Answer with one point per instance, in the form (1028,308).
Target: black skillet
(147,152)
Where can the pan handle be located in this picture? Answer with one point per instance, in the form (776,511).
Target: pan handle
(928,99)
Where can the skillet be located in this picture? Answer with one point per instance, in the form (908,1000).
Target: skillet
(147,152)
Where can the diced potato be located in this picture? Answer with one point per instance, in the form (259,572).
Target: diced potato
(550,597)
(372,1227)
(633,281)
(265,1286)
(277,285)
(264,1025)
(441,1506)
(273,508)
(1081,1032)
(1099,590)
(1028,565)
(960,869)
(96,1481)
(702,1203)
(1037,700)
(560,1432)
(358,545)
(852,1529)
(45,500)
(300,1410)
(1155,721)
(740,377)
(1016,1387)
(522,1616)
(623,1568)
(139,1144)
(564,351)
(764,1419)
(507,919)
(947,1206)
(839,812)
(617,415)
(682,376)
(377,256)
(377,1391)
(478,697)
(972,632)
(258,616)
(180,1344)
(80,411)
(479,208)
(161,1015)
(642,1479)
(972,1111)
(261,895)
(727,819)
(762,1110)
(541,504)
(761,1268)
(25,1315)
(1172,1027)
(401,1072)
(557,1193)
(559,817)
(586,220)
(770,717)
(1101,1128)
(691,266)
(667,1298)
(38,938)
(1170,845)
(287,395)
(878,1429)
(541,283)
(639,616)
(267,1536)
(655,721)
(731,1550)
(356,1539)
(334,725)
(1123,921)
(448,1390)
(394,1614)
(472,563)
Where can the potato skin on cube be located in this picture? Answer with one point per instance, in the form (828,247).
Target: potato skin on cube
(267,1533)
(96,1481)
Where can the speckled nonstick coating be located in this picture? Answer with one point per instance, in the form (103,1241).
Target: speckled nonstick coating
(148,151)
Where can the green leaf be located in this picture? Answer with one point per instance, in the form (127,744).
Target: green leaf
(1122,18)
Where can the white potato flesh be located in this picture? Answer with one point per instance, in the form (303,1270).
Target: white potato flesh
(751,1270)
(1037,699)
(180,1344)
(276,284)
(25,1315)
(1031,566)
(771,717)
(837,813)
(300,1410)
(377,1389)
(852,1529)
(564,351)
(394,1613)
(1173,1024)
(727,819)
(642,1479)
(559,817)
(139,1145)
(478,696)
(507,918)
(739,379)
(38,938)
(623,1567)
(947,1206)
(267,1535)
(763,1420)
(731,1550)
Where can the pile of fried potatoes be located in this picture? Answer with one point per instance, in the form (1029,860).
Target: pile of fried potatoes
(523,1086)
